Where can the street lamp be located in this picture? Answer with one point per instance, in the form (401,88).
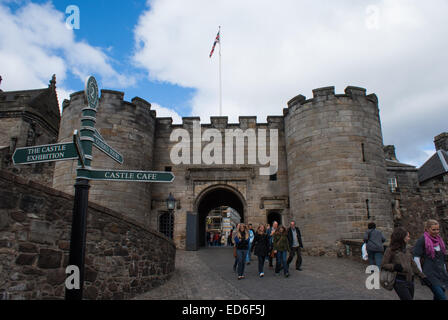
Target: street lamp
(170,202)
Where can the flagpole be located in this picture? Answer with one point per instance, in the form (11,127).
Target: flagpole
(220,79)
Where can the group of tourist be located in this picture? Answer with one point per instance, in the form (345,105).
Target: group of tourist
(215,239)
(427,260)
(267,243)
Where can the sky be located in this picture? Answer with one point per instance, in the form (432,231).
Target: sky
(271,51)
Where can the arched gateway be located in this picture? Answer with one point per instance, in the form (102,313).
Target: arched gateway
(213,197)
(321,164)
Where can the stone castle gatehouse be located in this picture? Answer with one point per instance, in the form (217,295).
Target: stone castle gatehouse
(332,172)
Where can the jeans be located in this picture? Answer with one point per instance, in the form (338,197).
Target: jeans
(248,252)
(292,253)
(438,292)
(404,289)
(375,258)
(241,255)
(261,260)
(281,262)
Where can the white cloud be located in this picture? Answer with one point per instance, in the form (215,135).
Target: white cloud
(165,112)
(272,51)
(35,43)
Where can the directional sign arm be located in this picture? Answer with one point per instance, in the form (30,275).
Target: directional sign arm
(79,149)
(127,175)
(101,145)
(45,153)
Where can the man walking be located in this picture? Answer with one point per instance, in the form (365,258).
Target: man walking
(295,243)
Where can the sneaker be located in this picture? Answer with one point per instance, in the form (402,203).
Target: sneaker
(287,275)
(261,275)
(240,277)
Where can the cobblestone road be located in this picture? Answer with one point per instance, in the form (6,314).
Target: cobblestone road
(207,274)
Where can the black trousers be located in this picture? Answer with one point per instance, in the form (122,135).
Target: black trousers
(404,289)
(292,253)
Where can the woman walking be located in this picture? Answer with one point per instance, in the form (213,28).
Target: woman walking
(375,248)
(398,259)
(241,243)
(281,248)
(432,250)
(261,247)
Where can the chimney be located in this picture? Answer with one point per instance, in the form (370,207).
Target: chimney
(441,141)
(389,153)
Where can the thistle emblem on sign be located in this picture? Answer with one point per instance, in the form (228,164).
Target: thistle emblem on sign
(91,92)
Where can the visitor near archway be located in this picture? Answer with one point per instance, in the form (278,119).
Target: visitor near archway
(281,249)
(295,243)
(242,244)
(251,240)
(261,247)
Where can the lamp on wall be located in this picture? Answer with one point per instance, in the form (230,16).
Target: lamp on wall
(170,202)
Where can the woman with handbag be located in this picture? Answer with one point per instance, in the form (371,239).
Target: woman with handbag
(260,247)
(281,249)
(400,261)
(242,243)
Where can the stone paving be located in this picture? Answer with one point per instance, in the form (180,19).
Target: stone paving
(207,275)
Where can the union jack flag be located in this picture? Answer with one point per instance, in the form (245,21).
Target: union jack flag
(214,44)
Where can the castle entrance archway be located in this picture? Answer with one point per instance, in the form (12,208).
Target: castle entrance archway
(217,197)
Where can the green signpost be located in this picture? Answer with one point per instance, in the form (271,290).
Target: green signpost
(81,149)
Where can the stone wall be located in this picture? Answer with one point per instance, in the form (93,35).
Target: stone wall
(29,118)
(123,258)
(428,201)
(128,127)
(259,194)
(336,166)
(24,131)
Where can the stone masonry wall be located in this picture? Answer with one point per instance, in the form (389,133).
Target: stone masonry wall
(129,129)
(336,166)
(417,205)
(259,193)
(123,258)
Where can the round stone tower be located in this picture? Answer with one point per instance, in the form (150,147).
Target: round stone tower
(128,127)
(336,167)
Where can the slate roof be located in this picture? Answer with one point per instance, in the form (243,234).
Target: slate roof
(435,166)
(391,164)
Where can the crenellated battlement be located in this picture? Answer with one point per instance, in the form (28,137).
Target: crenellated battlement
(141,102)
(323,92)
(244,122)
(328,93)
(111,95)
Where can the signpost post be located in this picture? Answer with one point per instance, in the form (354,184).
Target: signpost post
(78,235)
(81,149)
